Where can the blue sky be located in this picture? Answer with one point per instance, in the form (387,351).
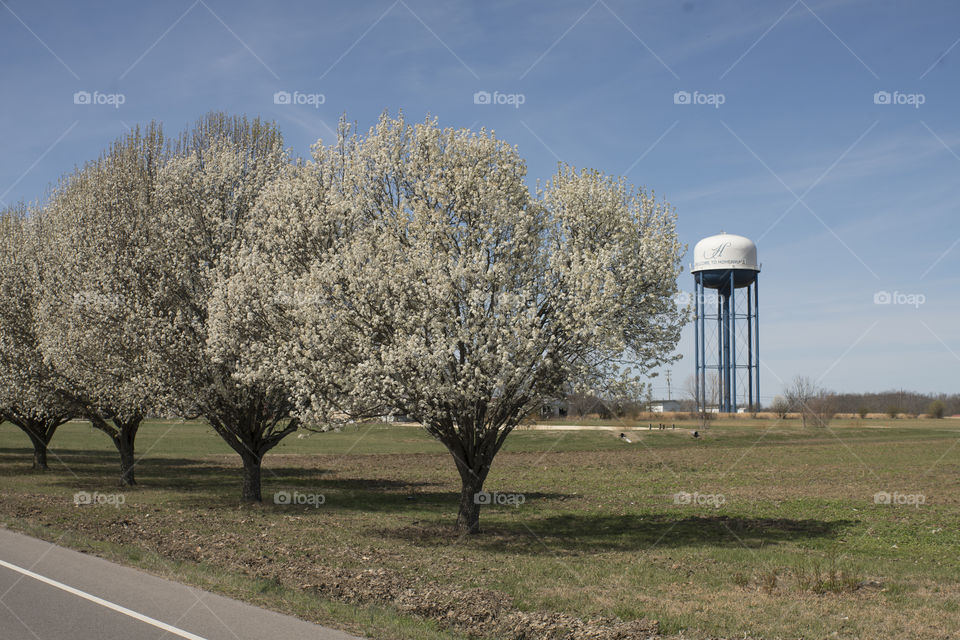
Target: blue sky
(844,196)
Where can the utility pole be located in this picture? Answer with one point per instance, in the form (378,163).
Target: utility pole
(669,397)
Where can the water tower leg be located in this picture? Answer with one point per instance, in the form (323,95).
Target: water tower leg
(696,340)
(720,381)
(733,345)
(703,346)
(751,407)
(756,334)
(726,351)
(696,343)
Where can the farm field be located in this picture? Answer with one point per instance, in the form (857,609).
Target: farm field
(760,529)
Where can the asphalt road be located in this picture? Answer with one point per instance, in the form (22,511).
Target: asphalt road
(51,593)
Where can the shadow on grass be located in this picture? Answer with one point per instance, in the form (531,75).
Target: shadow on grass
(72,463)
(210,484)
(81,456)
(573,533)
(76,467)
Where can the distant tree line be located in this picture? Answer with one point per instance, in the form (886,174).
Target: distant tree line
(803,391)
(906,402)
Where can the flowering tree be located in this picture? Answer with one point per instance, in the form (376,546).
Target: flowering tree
(31,393)
(458,297)
(205,197)
(94,316)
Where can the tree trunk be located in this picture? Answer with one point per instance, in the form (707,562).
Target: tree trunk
(251,478)
(127,475)
(123,434)
(468,517)
(39,453)
(125,445)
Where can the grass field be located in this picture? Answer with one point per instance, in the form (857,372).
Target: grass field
(760,529)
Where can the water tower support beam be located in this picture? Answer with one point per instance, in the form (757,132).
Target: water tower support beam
(751,407)
(733,345)
(720,380)
(696,340)
(756,335)
(702,373)
(725,339)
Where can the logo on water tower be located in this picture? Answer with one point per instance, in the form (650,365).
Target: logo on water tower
(717,251)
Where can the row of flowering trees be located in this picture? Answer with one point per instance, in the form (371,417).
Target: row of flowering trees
(407,269)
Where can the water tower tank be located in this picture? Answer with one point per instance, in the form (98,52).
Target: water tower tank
(724,255)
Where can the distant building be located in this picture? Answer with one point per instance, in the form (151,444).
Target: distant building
(665,406)
(576,405)
(554,409)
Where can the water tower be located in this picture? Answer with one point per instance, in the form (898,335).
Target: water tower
(726,324)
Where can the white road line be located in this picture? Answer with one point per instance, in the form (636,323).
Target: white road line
(103,603)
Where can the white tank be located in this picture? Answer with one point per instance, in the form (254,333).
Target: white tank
(725,251)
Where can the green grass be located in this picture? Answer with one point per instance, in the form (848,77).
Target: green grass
(797,546)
